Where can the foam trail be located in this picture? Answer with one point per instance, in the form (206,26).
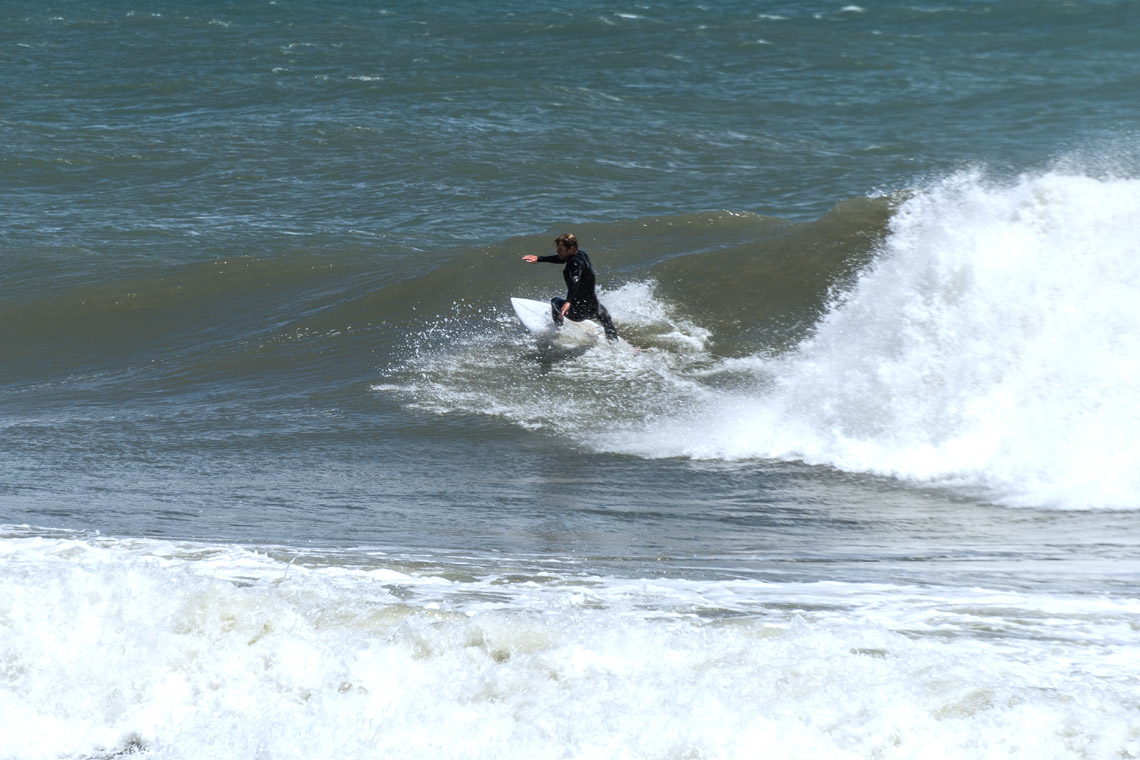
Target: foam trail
(994,344)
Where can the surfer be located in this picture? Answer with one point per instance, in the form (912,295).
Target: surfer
(581,302)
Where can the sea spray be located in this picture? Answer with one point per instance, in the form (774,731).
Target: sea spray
(495,367)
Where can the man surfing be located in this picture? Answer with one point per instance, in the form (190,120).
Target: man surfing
(581,302)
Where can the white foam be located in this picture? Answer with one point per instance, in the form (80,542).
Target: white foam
(994,344)
(190,652)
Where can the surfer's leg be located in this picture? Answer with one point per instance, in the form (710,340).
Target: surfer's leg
(607,323)
(556,310)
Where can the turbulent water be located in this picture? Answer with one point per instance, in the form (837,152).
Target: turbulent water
(284,477)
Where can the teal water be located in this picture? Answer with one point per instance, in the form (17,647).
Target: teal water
(201,127)
(283,477)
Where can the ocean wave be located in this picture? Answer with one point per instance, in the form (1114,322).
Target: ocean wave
(218,319)
(976,334)
(992,344)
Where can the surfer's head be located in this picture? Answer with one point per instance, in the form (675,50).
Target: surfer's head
(566,245)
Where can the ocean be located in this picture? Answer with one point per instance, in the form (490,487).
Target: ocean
(282,475)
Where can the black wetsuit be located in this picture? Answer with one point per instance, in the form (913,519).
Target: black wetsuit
(579,276)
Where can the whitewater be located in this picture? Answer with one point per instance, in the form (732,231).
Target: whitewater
(176,650)
(992,346)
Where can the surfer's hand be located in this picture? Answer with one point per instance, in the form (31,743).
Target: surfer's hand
(530,258)
(565,308)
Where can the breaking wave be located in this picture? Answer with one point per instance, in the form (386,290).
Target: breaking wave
(993,344)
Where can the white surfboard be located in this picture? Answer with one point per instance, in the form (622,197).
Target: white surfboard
(536,317)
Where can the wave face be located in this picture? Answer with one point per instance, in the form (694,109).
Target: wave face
(993,344)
